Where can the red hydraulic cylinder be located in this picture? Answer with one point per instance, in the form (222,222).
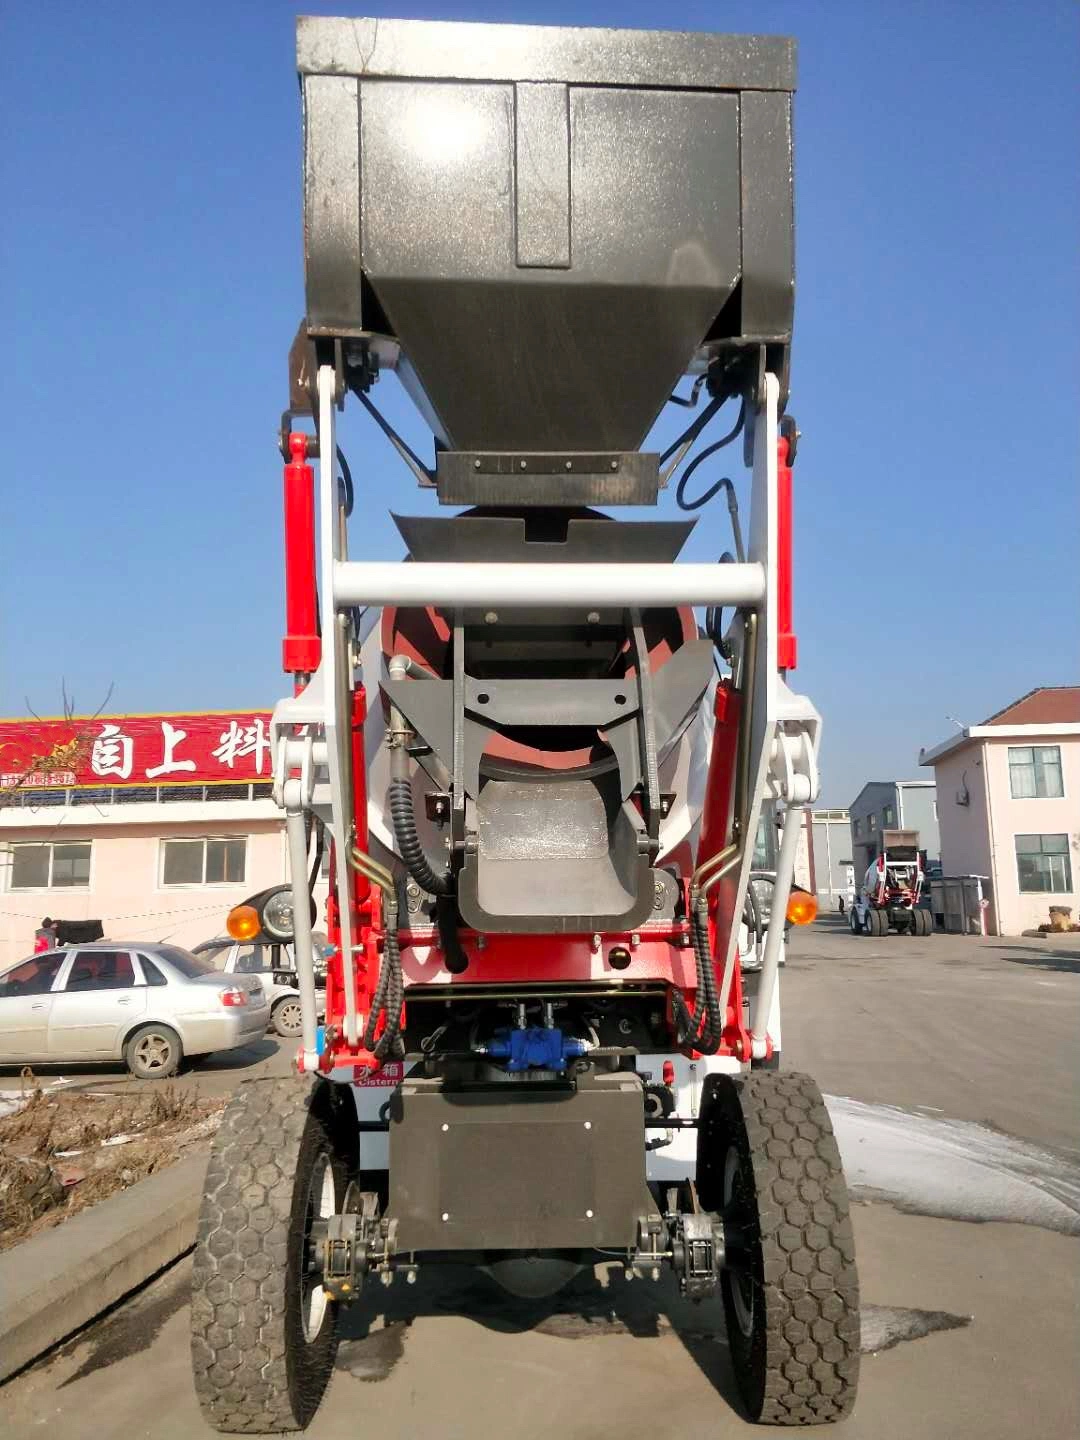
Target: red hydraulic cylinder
(301,649)
(786,642)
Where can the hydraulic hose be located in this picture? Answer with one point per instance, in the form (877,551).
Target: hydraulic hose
(706,1017)
(404,822)
(389,991)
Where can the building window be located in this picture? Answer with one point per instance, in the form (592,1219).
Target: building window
(1042,864)
(1035,772)
(204,862)
(887,815)
(871,821)
(47,867)
(855,827)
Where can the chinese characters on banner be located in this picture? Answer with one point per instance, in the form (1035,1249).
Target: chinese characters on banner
(203,748)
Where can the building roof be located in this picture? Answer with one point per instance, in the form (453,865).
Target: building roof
(1047,705)
(1048,712)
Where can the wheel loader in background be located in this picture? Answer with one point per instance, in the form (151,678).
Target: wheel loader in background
(538,777)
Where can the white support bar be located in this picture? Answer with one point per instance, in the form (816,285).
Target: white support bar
(336,688)
(794,819)
(303,948)
(514,585)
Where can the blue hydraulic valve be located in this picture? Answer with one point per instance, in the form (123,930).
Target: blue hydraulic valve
(537,1047)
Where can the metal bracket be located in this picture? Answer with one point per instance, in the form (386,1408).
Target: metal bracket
(565,478)
(697,1249)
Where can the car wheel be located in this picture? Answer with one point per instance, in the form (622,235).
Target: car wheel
(154,1052)
(286,1017)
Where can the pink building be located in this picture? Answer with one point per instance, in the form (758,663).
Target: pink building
(1009,807)
(155,825)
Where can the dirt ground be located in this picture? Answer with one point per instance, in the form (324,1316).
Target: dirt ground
(63,1150)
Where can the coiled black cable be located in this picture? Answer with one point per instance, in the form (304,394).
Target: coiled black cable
(346,480)
(702,1027)
(706,496)
(389,991)
(408,841)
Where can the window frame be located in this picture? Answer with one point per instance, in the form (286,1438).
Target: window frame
(203,840)
(51,846)
(146,967)
(79,950)
(1038,766)
(1064,854)
(61,969)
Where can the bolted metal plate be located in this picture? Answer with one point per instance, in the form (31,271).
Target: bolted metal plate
(518,1166)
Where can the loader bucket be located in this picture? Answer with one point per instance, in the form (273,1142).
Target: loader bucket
(548,226)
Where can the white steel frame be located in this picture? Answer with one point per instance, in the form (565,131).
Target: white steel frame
(312,730)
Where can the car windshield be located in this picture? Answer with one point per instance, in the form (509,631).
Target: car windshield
(215,950)
(188,965)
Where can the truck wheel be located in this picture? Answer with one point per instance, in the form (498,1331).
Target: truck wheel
(853,921)
(768,1163)
(925,921)
(154,1052)
(879,923)
(285,1017)
(263,1333)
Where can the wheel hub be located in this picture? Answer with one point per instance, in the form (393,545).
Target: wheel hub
(320,1205)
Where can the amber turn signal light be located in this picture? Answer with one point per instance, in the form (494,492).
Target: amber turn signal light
(801,907)
(243,922)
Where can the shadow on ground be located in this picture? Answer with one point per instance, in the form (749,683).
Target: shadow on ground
(1064,962)
(374,1331)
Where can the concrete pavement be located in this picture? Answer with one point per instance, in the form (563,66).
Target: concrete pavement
(982,1031)
(454,1358)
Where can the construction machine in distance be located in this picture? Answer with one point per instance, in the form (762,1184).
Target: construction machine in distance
(892,889)
(538,777)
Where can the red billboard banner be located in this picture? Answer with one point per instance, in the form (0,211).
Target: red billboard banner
(207,748)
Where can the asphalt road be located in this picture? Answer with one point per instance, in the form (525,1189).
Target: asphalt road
(979,1031)
(982,1029)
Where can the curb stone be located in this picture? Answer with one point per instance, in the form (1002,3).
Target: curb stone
(57,1282)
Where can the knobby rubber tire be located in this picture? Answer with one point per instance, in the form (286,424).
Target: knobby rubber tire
(791,1225)
(254,1369)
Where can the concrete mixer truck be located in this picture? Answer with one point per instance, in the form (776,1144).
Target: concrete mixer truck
(537,751)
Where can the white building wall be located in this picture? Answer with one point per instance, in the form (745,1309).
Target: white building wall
(126,892)
(1019,911)
(963,821)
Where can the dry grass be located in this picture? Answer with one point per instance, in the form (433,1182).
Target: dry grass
(42,1182)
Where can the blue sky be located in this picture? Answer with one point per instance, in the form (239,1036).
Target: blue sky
(151,263)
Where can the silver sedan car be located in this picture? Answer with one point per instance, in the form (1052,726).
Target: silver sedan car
(151,1006)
